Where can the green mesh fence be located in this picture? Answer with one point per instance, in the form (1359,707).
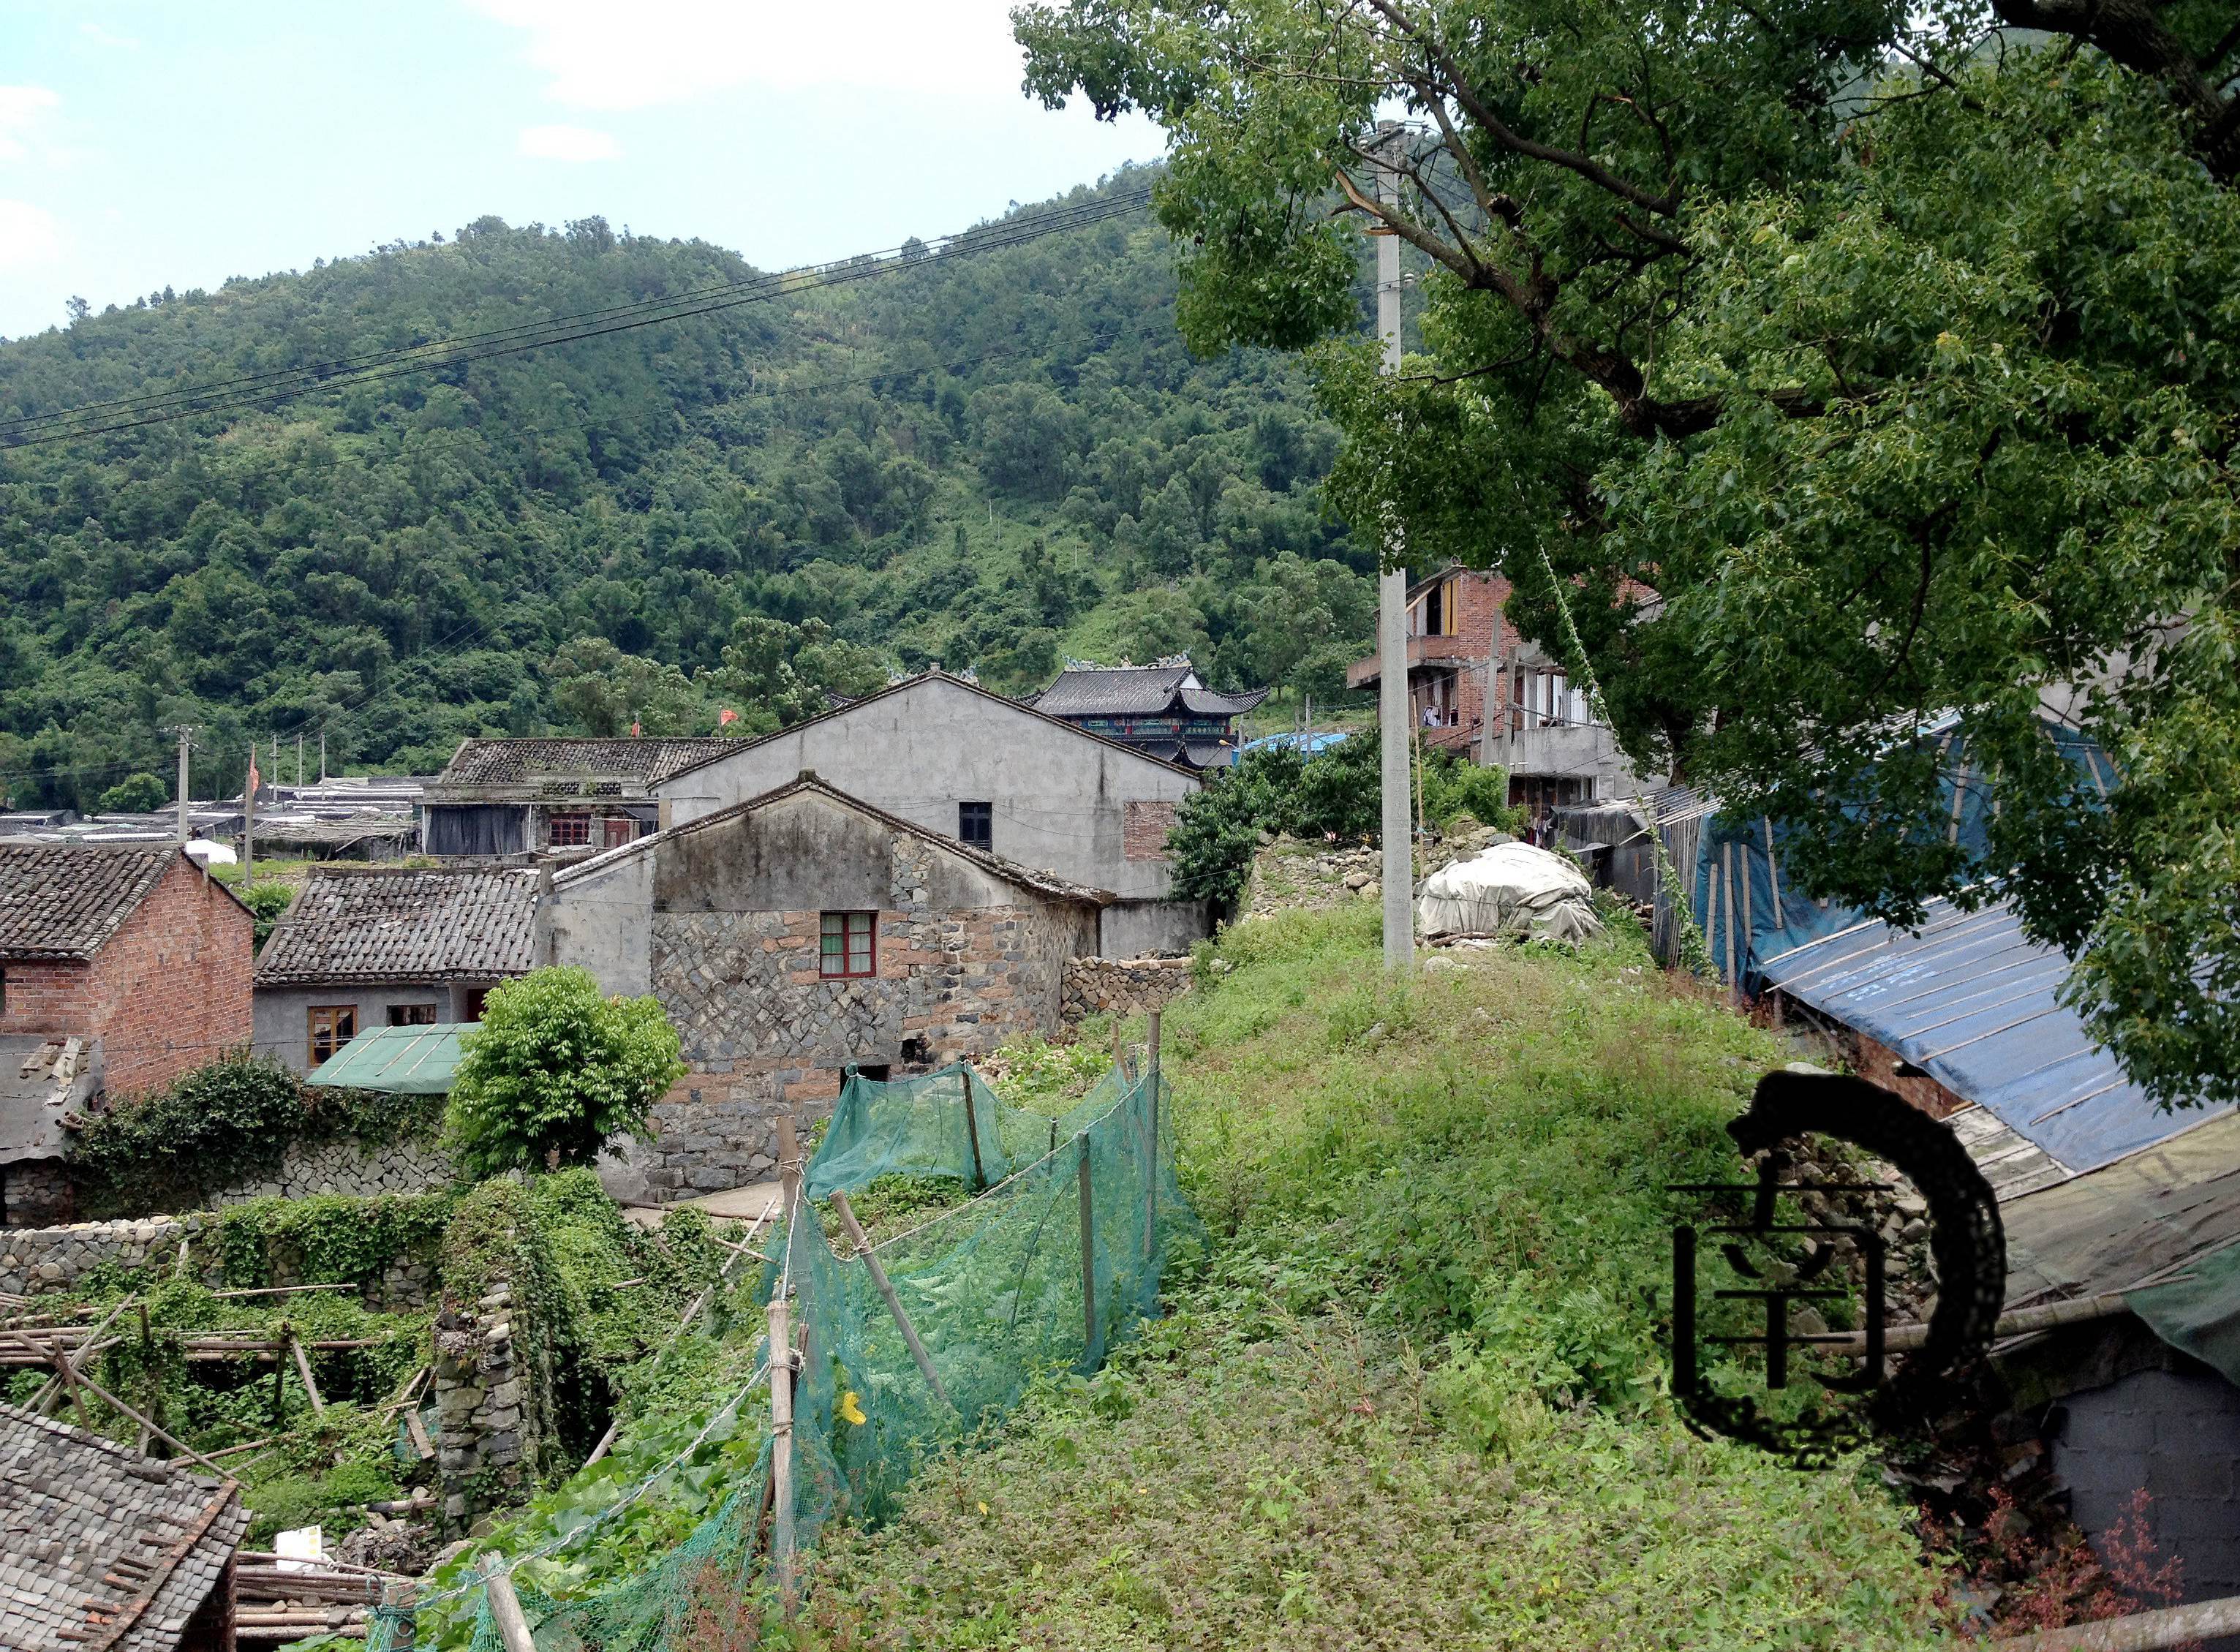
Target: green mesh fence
(1060,1255)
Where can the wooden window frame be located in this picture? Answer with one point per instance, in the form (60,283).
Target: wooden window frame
(412,1015)
(853,926)
(615,830)
(577,821)
(471,1000)
(986,841)
(335,1016)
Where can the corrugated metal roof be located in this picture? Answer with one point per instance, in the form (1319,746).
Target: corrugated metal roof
(512,763)
(404,1061)
(1971,1000)
(450,924)
(65,900)
(43,1077)
(73,1505)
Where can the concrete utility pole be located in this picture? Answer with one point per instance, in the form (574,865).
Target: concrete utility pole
(248,816)
(185,735)
(1392,716)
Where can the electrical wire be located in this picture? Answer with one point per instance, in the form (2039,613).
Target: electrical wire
(289,383)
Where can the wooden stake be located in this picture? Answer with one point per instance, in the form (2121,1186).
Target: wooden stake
(780,1375)
(894,1302)
(1088,1256)
(506,1615)
(972,1133)
(2172,1626)
(179,1446)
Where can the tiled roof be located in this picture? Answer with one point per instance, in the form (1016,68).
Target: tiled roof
(95,1539)
(1025,876)
(453,923)
(513,762)
(1127,691)
(65,900)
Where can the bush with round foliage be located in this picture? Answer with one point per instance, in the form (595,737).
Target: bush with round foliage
(137,794)
(554,1072)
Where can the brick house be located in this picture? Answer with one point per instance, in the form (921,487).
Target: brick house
(120,968)
(362,948)
(802,932)
(552,797)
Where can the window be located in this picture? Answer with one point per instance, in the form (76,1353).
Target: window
(846,947)
(620,830)
(470,1002)
(332,1026)
(412,1015)
(975,825)
(571,831)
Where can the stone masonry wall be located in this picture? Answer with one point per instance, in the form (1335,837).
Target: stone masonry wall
(493,1399)
(33,1260)
(347,1166)
(1123,986)
(765,1032)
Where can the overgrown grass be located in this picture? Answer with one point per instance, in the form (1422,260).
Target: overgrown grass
(1415,1395)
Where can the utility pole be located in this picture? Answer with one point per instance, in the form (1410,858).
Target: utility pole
(186,735)
(1393,720)
(248,816)
(323,756)
(299,757)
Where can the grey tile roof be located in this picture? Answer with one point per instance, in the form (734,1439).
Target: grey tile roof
(513,762)
(65,900)
(95,1540)
(1137,690)
(451,923)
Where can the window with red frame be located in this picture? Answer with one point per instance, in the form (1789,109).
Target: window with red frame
(846,948)
(570,831)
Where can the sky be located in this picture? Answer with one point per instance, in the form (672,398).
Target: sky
(147,145)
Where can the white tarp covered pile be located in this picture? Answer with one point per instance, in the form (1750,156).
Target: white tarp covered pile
(1511,888)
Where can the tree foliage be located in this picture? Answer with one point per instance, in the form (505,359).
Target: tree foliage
(556,1071)
(1855,367)
(993,463)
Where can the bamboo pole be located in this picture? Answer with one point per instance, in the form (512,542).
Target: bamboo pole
(277,1291)
(1087,1254)
(506,1615)
(1900,1338)
(894,1303)
(972,1133)
(303,1370)
(62,1368)
(178,1445)
(2173,1626)
(780,1377)
(1151,1147)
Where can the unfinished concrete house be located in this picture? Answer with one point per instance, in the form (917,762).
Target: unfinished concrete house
(800,933)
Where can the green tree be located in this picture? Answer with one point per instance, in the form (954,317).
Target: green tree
(555,1072)
(1842,369)
(603,691)
(136,794)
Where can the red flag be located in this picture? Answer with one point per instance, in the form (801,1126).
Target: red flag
(634,731)
(253,781)
(726,717)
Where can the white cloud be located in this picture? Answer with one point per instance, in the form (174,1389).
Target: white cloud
(29,235)
(606,57)
(20,109)
(567,144)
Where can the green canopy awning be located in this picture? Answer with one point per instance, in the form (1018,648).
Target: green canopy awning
(405,1061)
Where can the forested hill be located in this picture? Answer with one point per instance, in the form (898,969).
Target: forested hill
(993,462)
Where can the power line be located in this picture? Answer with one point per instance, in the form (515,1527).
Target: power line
(289,383)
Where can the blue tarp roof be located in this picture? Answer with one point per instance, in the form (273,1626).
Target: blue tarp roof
(1970,1000)
(1307,745)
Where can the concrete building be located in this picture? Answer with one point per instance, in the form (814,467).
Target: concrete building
(500,797)
(120,968)
(796,933)
(1163,710)
(367,947)
(951,757)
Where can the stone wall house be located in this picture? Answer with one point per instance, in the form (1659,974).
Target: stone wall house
(108,1548)
(993,774)
(120,968)
(562,797)
(797,934)
(362,948)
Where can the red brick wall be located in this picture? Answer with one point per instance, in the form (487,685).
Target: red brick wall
(171,991)
(47,998)
(1143,835)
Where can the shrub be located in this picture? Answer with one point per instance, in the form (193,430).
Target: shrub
(554,1072)
(266,901)
(136,794)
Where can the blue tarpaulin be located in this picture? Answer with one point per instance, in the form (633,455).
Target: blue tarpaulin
(1971,1000)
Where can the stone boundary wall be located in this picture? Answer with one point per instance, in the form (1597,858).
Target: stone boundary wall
(1121,986)
(345,1165)
(33,1260)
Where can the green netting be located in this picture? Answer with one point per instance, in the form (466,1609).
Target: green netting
(996,1289)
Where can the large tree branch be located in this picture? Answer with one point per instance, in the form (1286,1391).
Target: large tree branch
(1664,202)
(2133,33)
